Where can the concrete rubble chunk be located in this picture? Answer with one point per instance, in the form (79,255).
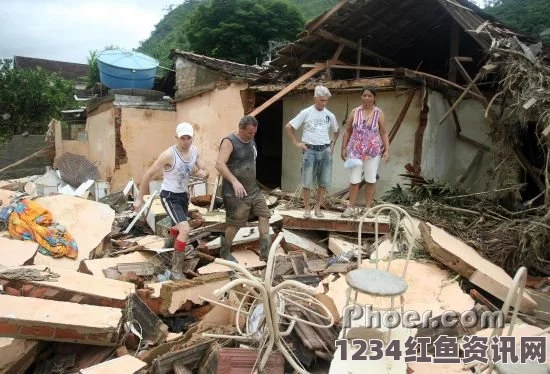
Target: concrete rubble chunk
(31,318)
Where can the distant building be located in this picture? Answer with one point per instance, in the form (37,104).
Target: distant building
(78,73)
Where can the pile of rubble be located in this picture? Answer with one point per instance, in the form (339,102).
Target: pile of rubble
(113,307)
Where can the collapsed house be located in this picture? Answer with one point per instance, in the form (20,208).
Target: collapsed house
(425,58)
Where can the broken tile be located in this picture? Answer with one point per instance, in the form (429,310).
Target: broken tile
(123,365)
(294,241)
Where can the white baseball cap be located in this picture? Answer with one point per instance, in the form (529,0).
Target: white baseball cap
(184,128)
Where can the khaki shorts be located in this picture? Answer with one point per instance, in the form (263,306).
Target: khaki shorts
(239,211)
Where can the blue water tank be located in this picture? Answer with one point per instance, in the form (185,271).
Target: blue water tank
(119,68)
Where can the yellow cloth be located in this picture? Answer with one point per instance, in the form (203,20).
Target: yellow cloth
(30,221)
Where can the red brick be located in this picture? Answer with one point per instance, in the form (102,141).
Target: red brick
(39,331)
(50,293)
(101,337)
(8,329)
(12,291)
(26,289)
(38,292)
(69,334)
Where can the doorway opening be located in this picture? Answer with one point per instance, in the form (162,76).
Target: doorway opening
(269,140)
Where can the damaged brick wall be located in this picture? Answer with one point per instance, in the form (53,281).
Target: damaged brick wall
(120,153)
(190,76)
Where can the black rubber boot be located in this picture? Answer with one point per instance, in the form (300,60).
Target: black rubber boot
(265,246)
(225,250)
(177,265)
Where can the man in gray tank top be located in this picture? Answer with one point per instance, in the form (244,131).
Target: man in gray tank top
(242,196)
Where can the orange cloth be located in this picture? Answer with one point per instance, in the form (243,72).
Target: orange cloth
(30,221)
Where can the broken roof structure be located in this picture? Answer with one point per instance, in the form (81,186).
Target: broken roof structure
(68,70)
(419,35)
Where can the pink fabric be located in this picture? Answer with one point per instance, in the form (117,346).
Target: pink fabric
(365,141)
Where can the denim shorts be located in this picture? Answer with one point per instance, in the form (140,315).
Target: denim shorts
(316,168)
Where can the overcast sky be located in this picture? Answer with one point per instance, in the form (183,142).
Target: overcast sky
(66,30)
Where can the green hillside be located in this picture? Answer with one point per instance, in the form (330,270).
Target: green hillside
(169,33)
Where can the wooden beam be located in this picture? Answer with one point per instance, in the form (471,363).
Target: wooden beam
(462,96)
(419,135)
(351,67)
(530,169)
(466,76)
(359,47)
(473,142)
(454,49)
(401,117)
(335,56)
(353,45)
(326,16)
(287,89)
(386,82)
(473,164)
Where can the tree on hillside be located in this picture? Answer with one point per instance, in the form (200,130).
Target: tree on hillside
(239,30)
(30,98)
(528,16)
(169,34)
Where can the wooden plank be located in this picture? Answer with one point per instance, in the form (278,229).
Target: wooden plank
(154,331)
(16,355)
(466,76)
(334,65)
(332,222)
(180,368)
(286,90)
(353,45)
(463,259)
(359,47)
(462,96)
(318,23)
(95,267)
(401,117)
(454,49)
(419,134)
(125,364)
(358,84)
(188,356)
(190,265)
(304,243)
(298,262)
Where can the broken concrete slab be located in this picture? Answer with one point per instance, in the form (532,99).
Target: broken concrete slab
(123,365)
(89,222)
(175,294)
(244,257)
(17,252)
(339,246)
(31,318)
(95,267)
(154,331)
(295,241)
(16,355)
(332,222)
(6,196)
(463,259)
(75,287)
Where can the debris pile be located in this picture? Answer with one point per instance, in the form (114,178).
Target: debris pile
(114,307)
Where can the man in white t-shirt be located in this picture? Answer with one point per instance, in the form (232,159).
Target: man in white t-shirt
(320,131)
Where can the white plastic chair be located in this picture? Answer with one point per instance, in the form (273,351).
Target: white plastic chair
(377,282)
(515,295)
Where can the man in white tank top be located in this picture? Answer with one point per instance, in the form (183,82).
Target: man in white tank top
(177,164)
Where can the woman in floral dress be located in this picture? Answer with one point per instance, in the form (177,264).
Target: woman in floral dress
(365,142)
